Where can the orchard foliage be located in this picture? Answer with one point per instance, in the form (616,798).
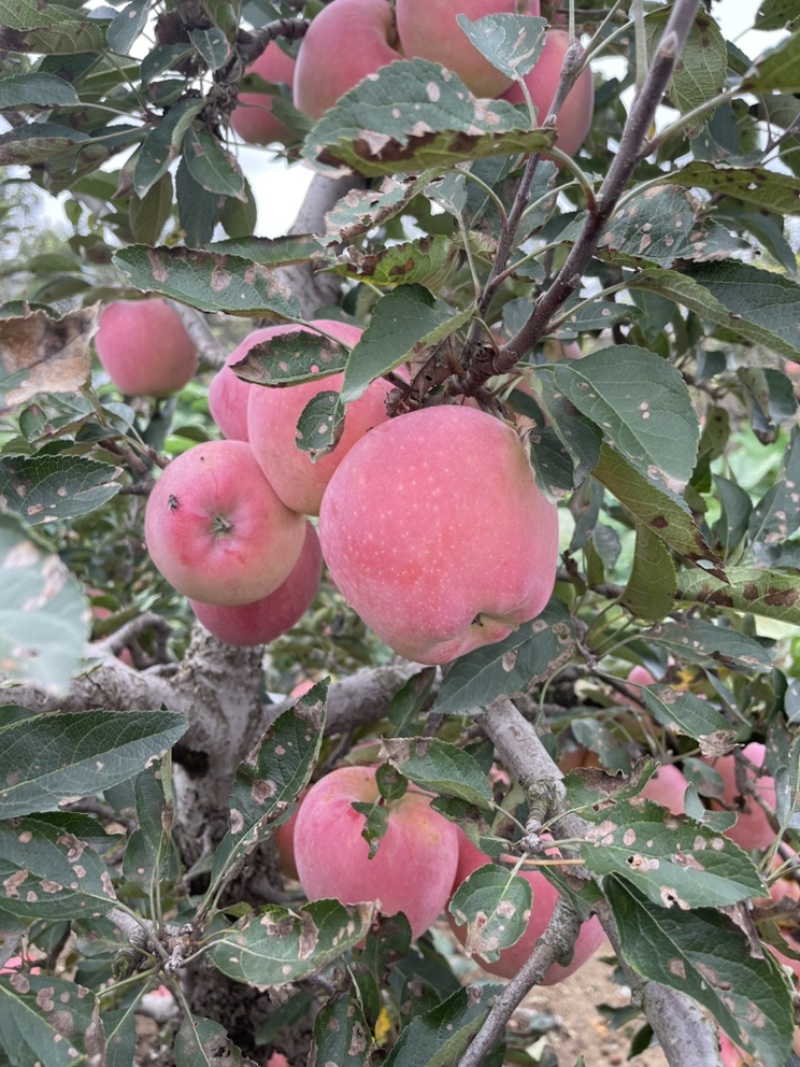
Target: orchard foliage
(474,254)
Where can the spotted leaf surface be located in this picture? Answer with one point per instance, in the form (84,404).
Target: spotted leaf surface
(43,355)
(49,1021)
(49,488)
(341,1033)
(763,188)
(684,713)
(708,644)
(440,767)
(748,589)
(290,358)
(494,903)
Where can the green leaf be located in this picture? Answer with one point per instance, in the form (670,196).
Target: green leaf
(198,209)
(532,654)
(642,405)
(651,585)
(52,759)
(684,713)
(511,43)
(777,515)
(578,436)
(162,145)
(43,619)
(765,189)
(710,644)
(675,863)
(207,281)
(149,858)
(300,355)
(427,261)
(119,1026)
(271,251)
(214,169)
(36,90)
(407,703)
(127,26)
(736,509)
(239,217)
(441,1036)
(37,1011)
(775,14)
(38,142)
(412,116)
(777,69)
(440,767)
(408,316)
(495,905)
(703,65)
(28,26)
(341,1034)
(277,946)
(699,953)
(775,596)
(50,874)
(149,215)
(204,1043)
(213,46)
(361,210)
(49,488)
(387,943)
(321,424)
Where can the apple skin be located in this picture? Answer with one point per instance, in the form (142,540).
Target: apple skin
(358,34)
(428,30)
(144,347)
(245,625)
(545,896)
(215,528)
(751,829)
(433,519)
(574,119)
(413,869)
(252,118)
(667,787)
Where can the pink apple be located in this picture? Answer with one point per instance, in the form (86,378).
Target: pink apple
(413,868)
(347,40)
(252,118)
(283,839)
(144,347)
(272,415)
(264,620)
(428,30)
(215,528)
(667,787)
(545,896)
(435,532)
(574,118)
(751,829)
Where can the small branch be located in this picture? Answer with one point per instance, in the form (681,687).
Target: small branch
(211,352)
(252,44)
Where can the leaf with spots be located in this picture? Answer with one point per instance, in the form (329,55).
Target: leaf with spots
(290,358)
(440,767)
(52,759)
(214,169)
(674,861)
(49,29)
(48,487)
(43,355)
(271,251)
(49,873)
(43,619)
(428,261)
(413,115)
(38,142)
(778,68)
(35,90)
(321,424)
(684,713)
(341,1033)
(204,1043)
(127,26)
(511,43)
(278,945)
(529,655)
(641,405)
(777,515)
(579,437)
(52,1022)
(494,903)
(710,645)
(702,68)
(771,594)
(700,953)
(388,942)
(162,145)
(650,589)
(776,15)
(765,189)
(361,210)
(269,780)
(207,281)
(442,1035)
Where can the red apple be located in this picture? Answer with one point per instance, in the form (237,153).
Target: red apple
(413,868)
(252,118)
(347,40)
(574,118)
(215,528)
(144,347)
(545,896)
(428,30)
(667,787)
(751,829)
(264,620)
(436,534)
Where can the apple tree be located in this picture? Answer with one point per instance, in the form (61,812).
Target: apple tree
(576,241)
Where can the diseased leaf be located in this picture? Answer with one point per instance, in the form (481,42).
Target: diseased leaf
(777,68)
(37,1011)
(765,189)
(127,26)
(43,355)
(684,713)
(511,43)
(776,15)
(360,210)
(701,71)
(289,358)
(777,515)
(211,166)
(341,1033)
(204,1043)
(271,251)
(321,424)
(27,26)
(149,857)
(49,488)
(162,145)
(748,589)
(119,1026)
(440,767)
(428,261)
(710,644)
(36,90)
(495,904)
(442,1035)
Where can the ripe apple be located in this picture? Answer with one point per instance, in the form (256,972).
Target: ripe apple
(265,619)
(252,118)
(751,829)
(413,868)
(215,528)
(545,896)
(347,40)
(144,347)
(667,787)
(436,534)
(574,118)
(272,415)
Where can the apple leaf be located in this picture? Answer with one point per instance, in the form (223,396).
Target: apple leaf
(51,759)
(278,945)
(38,142)
(651,584)
(47,487)
(495,905)
(703,66)
(127,26)
(777,515)
(290,358)
(36,90)
(341,1033)
(440,767)
(321,424)
(684,713)
(207,280)
(511,43)
(673,861)
(204,1043)
(778,68)
(269,780)
(736,507)
(25,26)
(162,144)
(119,1027)
(387,943)
(429,260)
(699,953)
(37,1010)
(407,703)
(149,855)
(579,437)
(529,655)
(43,355)
(415,115)
(361,210)
(709,644)
(776,15)
(443,1034)
(748,589)
(211,166)
(270,251)
(765,189)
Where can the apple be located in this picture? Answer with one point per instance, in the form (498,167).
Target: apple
(436,534)
(215,528)
(413,868)
(667,787)
(252,118)
(751,829)
(545,896)
(144,347)
(347,40)
(262,621)
(574,118)
(272,415)
(428,30)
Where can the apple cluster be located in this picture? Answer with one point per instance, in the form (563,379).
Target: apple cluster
(366,35)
